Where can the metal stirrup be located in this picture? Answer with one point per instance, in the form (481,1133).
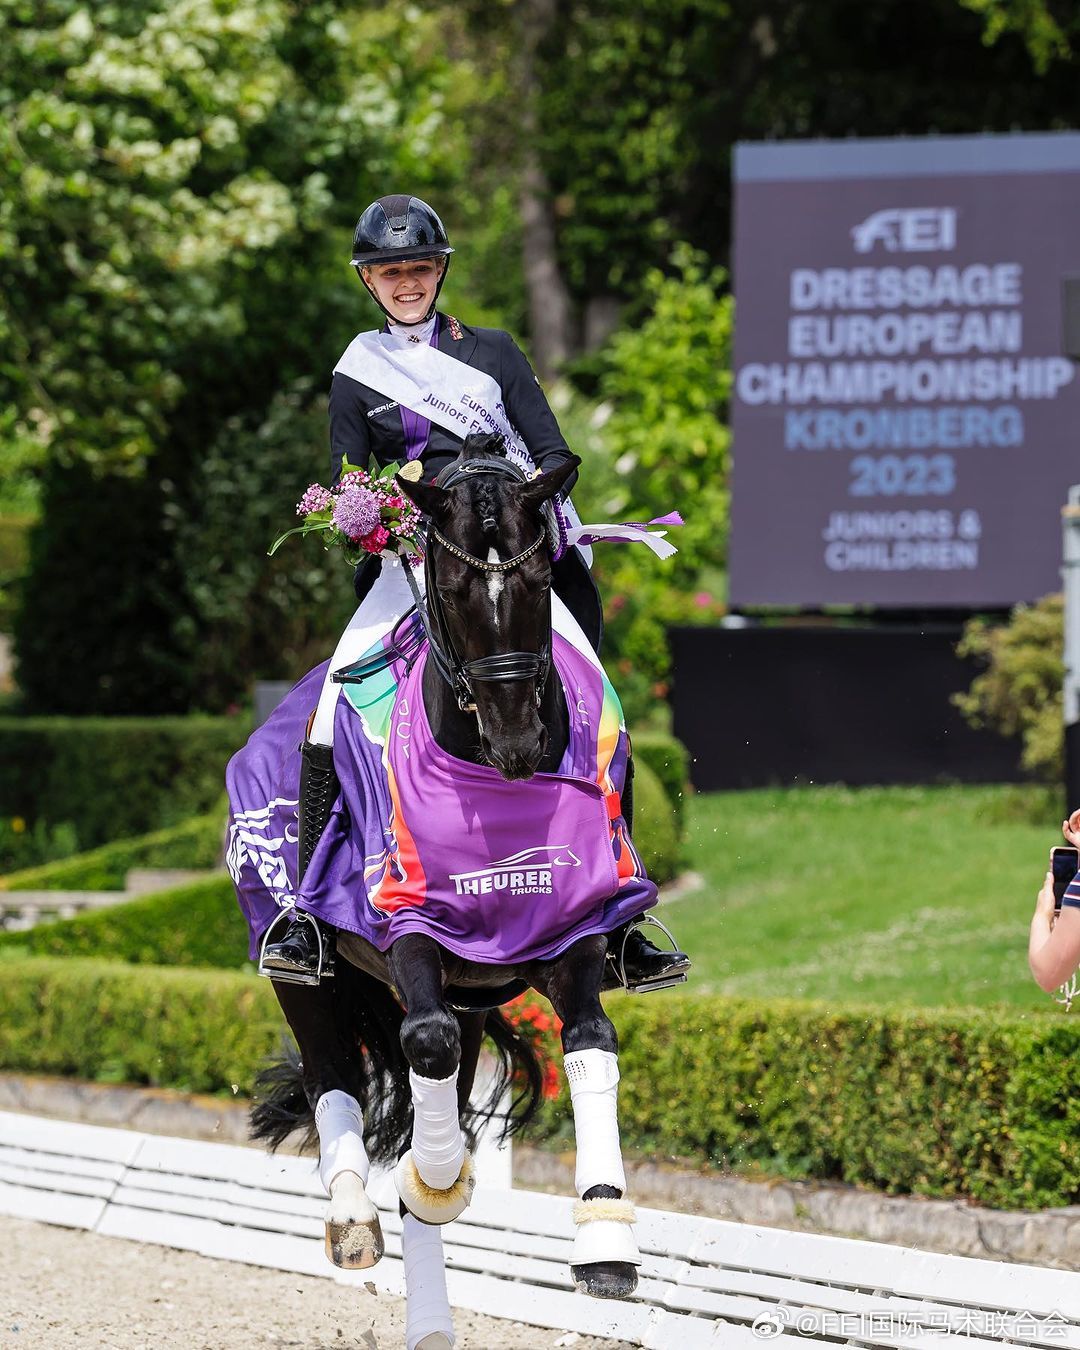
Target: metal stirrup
(324,969)
(662,981)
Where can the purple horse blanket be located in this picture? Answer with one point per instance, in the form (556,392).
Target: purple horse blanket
(421,842)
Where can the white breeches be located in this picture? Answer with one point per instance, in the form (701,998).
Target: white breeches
(387,600)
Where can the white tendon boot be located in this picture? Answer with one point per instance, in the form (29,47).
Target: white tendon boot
(354,1239)
(435,1177)
(604,1226)
(428,1323)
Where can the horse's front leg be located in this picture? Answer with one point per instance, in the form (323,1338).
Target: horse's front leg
(605,1257)
(435,1177)
(354,1239)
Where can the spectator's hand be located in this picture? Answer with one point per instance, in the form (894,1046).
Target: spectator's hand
(1071,829)
(1044,901)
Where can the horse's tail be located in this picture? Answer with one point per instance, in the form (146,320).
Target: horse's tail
(518,1074)
(370,1060)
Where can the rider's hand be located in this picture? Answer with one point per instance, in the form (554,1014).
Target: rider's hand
(1071,829)
(1044,902)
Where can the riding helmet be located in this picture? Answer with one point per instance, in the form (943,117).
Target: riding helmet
(400,228)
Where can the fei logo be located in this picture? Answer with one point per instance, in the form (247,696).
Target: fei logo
(908,229)
(529,872)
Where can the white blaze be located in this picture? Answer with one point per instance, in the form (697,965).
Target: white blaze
(495,583)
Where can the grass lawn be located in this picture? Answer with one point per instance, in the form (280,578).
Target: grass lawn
(897,895)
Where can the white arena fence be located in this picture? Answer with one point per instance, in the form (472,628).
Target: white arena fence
(704,1282)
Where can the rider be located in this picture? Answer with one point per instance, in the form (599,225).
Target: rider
(401,254)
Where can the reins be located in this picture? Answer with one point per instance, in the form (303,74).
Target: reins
(461,675)
(505,667)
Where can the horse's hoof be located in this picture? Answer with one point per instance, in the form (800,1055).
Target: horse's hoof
(354,1239)
(425,1202)
(437,1340)
(605,1279)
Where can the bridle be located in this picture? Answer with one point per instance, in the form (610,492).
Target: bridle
(505,667)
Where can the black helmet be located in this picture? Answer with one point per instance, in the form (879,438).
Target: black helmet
(398,229)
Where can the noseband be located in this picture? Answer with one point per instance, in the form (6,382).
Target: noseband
(507,666)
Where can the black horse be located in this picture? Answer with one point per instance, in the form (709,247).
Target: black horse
(398,1034)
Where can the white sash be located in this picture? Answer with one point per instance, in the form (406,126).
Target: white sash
(465,400)
(439,387)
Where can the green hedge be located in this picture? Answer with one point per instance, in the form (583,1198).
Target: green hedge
(669,759)
(198,1030)
(14,560)
(197,925)
(195,843)
(657,829)
(114,777)
(935,1103)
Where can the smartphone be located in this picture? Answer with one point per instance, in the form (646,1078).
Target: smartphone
(1064,863)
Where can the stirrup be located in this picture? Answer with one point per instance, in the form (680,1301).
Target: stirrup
(647,986)
(323,971)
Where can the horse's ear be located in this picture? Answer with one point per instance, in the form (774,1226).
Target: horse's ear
(430,499)
(542,488)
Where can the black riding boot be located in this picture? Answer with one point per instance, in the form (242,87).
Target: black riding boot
(639,966)
(299,957)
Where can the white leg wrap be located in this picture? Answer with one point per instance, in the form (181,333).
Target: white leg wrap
(438,1146)
(427,1307)
(341,1137)
(388,598)
(593,1076)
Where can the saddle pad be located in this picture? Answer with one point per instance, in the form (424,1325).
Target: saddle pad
(419,841)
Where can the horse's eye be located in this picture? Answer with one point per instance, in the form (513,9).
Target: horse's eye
(448,597)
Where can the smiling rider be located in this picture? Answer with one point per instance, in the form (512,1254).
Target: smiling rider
(401,254)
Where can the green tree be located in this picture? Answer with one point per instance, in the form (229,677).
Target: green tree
(179,179)
(1019,691)
(657,441)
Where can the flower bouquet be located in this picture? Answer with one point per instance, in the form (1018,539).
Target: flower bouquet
(361,514)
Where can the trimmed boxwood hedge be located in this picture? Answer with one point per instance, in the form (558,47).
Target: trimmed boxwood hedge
(196,843)
(669,759)
(197,1030)
(114,777)
(657,828)
(196,925)
(937,1103)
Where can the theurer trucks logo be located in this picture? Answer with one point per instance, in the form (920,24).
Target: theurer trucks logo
(529,872)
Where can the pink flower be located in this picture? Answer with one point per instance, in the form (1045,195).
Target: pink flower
(356,511)
(376,541)
(316,498)
(702,599)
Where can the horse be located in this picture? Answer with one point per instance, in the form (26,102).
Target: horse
(388,1049)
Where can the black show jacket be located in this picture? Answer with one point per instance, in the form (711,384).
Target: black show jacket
(366,423)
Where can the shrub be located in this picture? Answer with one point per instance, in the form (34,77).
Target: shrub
(669,759)
(937,1103)
(28,846)
(14,558)
(657,832)
(117,777)
(196,925)
(1019,692)
(197,1030)
(195,843)
(931,1103)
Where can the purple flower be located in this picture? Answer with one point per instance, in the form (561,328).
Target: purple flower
(316,498)
(356,511)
